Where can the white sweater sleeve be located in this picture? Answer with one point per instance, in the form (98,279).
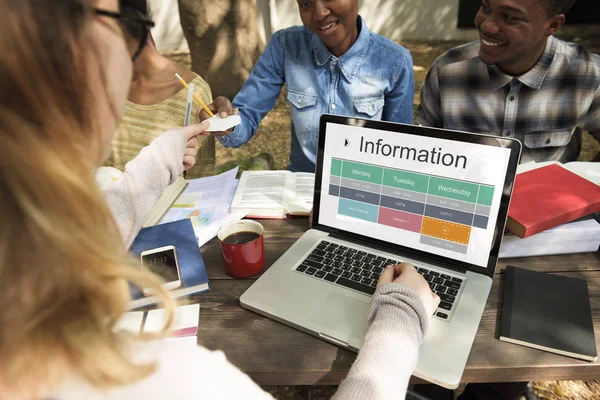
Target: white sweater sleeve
(132,196)
(389,354)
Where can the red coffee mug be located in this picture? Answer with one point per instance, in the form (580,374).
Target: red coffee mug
(242,247)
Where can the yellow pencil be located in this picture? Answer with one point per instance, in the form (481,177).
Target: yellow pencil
(185,85)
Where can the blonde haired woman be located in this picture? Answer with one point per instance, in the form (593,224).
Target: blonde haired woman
(63,264)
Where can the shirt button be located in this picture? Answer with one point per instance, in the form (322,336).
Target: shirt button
(370,107)
(300,100)
(333,106)
(548,141)
(512,98)
(334,63)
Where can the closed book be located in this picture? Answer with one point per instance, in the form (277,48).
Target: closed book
(181,235)
(548,312)
(166,200)
(579,236)
(549,196)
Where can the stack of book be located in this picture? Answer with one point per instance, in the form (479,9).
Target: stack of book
(555,209)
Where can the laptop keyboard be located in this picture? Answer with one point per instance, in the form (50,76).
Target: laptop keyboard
(360,271)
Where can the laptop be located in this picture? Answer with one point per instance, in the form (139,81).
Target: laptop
(387,193)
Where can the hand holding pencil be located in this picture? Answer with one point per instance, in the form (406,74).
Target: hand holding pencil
(185,85)
(222,106)
(190,133)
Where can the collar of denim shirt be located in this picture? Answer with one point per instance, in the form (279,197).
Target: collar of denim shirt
(532,78)
(350,61)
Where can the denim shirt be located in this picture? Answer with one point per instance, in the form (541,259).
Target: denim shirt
(373,79)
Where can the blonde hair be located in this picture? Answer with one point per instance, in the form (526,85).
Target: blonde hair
(64,270)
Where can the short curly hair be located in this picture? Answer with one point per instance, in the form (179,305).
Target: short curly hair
(555,7)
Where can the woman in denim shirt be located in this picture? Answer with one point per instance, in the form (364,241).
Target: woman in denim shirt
(333,64)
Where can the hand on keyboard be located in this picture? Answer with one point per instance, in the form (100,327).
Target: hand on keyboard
(405,273)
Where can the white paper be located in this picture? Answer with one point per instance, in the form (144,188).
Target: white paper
(262,189)
(586,169)
(573,237)
(527,166)
(301,200)
(218,124)
(185,317)
(185,341)
(305,186)
(130,322)
(207,232)
(206,202)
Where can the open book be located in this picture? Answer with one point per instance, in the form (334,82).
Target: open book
(273,194)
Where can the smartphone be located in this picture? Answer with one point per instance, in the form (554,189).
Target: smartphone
(162,261)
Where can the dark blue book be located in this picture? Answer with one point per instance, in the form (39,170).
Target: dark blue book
(179,234)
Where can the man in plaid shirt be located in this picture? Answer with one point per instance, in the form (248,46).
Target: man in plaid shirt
(518,81)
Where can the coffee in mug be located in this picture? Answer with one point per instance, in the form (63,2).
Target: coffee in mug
(242,248)
(241,237)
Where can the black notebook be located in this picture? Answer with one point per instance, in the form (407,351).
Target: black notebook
(548,312)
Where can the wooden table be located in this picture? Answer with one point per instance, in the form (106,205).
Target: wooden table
(275,354)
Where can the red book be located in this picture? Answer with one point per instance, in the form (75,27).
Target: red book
(549,196)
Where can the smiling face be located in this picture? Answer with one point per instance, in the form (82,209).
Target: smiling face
(333,21)
(514,32)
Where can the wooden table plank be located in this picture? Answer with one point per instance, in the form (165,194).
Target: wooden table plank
(281,234)
(273,354)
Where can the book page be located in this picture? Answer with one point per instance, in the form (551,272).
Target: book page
(204,201)
(261,190)
(302,186)
(185,323)
(305,186)
(130,322)
(586,169)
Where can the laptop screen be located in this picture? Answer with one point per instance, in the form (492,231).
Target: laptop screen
(435,191)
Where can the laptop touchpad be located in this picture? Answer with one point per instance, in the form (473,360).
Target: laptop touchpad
(344,317)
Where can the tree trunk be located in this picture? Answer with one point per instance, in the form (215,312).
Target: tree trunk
(223,40)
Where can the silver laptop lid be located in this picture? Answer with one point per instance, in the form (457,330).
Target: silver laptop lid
(437,194)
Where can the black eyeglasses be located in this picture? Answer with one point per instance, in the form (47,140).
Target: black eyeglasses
(136,26)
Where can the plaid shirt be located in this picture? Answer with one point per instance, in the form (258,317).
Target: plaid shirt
(546,108)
